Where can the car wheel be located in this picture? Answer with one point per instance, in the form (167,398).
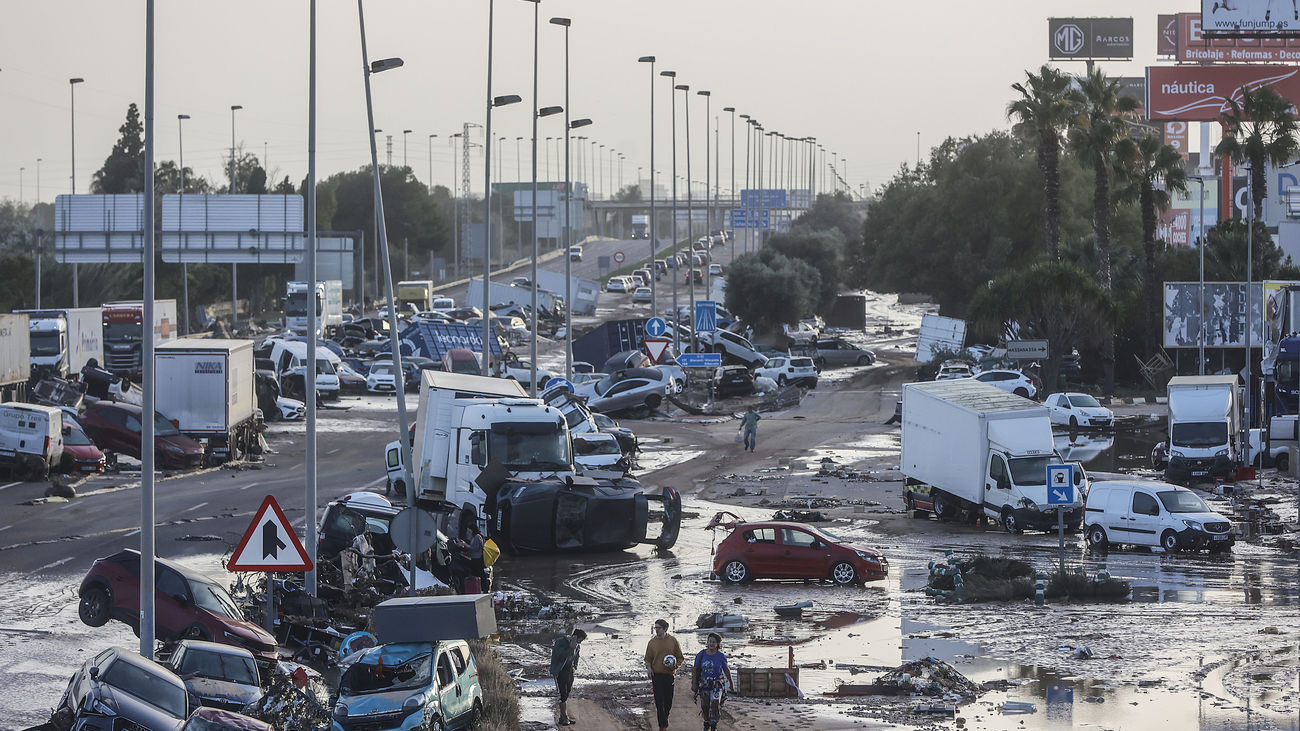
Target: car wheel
(1169,540)
(864,360)
(1009,522)
(195,632)
(1074,423)
(735,572)
(94,607)
(1097,537)
(653,400)
(844,574)
(475,715)
(1022,392)
(780,381)
(909,503)
(1281,462)
(437,724)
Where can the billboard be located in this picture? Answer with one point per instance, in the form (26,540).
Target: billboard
(1194,46)
(1225,310)
(99,229)
(1175,227)
(232,229)
(1084,38)
(1248,17)
(1201,93)
(1167,35)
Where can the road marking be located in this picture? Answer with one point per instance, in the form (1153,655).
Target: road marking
(332,451)
(7,527)
(60,562)
(3,487)
(374,483)
(196,507)
(134,532)
(251,484)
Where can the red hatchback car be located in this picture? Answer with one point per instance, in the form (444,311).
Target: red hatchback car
(186,604)
(778,550)
(116,427)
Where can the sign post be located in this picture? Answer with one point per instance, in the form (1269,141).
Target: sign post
(269,545)
(1060,492)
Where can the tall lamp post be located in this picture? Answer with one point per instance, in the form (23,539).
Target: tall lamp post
(1200,292)
(431,163)
(568,260)
(72,91)
(708,209)
(382,241)
(405,132)
(185,265)
(672,247)
(749,126)
(234,268)
(690,215)
(38,236)
(733,177)
(309,487)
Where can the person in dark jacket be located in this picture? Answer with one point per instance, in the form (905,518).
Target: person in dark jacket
(564,661)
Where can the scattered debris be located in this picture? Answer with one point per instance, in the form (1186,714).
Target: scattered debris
(929,676)
(1016,707)
(792,610)
(720,619)
(199,538)
(799,516)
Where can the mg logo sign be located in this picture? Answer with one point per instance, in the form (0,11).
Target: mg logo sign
(1069,39)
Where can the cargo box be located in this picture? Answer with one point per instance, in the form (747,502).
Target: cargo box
(435,618)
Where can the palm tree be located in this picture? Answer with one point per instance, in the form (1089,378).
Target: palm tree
(1097,127)
(1258,130)
(1044,110)
(1152,170)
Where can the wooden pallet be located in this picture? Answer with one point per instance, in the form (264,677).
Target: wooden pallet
(766,682)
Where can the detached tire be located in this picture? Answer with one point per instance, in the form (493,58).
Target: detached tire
(735,572)
(844,574)
(1097,537)
(94,607)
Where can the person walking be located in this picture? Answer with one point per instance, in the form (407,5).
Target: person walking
(564,661)
(663,656)
(749,426)
(711,673)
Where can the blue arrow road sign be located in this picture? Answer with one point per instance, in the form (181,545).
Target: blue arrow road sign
(699,360)
(706,316)
(655,327)
(1060,484)
(558,381)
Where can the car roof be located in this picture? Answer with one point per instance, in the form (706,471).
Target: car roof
(116,405)
(215,647)
(188,573)
(775,524)
(149,666)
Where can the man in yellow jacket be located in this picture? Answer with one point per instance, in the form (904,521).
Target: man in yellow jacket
(663,656)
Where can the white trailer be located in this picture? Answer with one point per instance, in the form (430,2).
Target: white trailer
(584,292)
(15,357)
(62,341)
(207,388)
(504,294)
(972,449)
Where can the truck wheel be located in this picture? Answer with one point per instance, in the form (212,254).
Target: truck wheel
(235,447)
(94,607)
(1009,522)
(1097,537)
(1281,462)
(735,572)
(942,510)
(1169,540)
(844,574)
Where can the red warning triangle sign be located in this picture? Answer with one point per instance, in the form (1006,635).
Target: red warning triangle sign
(269,544)
(655,347)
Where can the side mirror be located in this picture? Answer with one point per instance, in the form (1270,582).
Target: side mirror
(67,430)
(94,672)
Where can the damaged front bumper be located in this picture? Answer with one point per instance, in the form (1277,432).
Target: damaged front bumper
(1185,470)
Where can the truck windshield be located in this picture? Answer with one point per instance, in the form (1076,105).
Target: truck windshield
(45,344)
(1029,470)
(296,305)
(1182,501)
(363,678)
(528,447)
(1199,434)
(121,331)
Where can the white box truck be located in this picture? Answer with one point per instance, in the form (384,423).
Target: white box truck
(207,388)
(63,340)
(15,357)
(1205,434)
(329,305)
(970,449)
(31,439)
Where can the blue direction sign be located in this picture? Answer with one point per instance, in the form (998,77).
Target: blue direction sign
(763,198)
(700,360)
(558,381)
(1060,484)
(706,316)
(655,327)
(750,218)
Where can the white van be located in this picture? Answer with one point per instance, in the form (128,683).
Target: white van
(443,304)
(31,437)
(1153,514)
(290,356)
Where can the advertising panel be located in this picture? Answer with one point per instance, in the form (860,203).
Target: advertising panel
(1176,136)
(1167,35)
(1225,309)
(1083,38)
(1248,17)
(1196,47)
(1201,93)
(1175,227)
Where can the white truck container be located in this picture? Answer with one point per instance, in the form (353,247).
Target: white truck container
(207,388)
(972,449)
(416,292)
(329,305)
(63,340)
(585,293)
(31,438)
(504,294)
(15,357)
(1205,434)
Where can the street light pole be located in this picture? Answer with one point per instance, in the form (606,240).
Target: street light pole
(1200,292)
(185,265)
(148,456)
(690,216)
(405,132)
(708,209)
(234,268)
(654,240)
(309,498)
(72,91)
(677,339)
(749,126)
(568,260)
(733,177)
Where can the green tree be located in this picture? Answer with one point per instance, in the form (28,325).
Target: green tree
(824,251)
(345,202)
(1260,129)
(123,169)
(834,211)
(1053,301)
(767,289)
(1043,112)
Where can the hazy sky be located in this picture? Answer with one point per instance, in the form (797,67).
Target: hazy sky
(862,76)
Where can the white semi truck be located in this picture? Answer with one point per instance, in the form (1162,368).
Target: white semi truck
(481,446)
(62,341)
(972,450)
(640,226)
(206,387)
(329,305)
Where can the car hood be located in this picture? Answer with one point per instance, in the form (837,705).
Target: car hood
(865,549)
(1201,517)
(374,703)
(83,451)
(223,690)
(1094,412)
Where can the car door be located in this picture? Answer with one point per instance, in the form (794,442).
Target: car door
(1060,409)
(450,695)
(132,436)
(173,603)
(997,486)
(464,682)
(759,551)
(803,555)
(1144,519)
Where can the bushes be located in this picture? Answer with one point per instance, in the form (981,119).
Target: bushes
(990,579)
(500,697)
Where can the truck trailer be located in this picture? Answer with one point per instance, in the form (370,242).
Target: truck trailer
(207,388)
(15,357)
(329,305)
(416,292)
(972,450)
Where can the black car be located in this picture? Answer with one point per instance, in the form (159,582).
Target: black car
(465,313)
(415,366)
(732,381)
(580,514)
